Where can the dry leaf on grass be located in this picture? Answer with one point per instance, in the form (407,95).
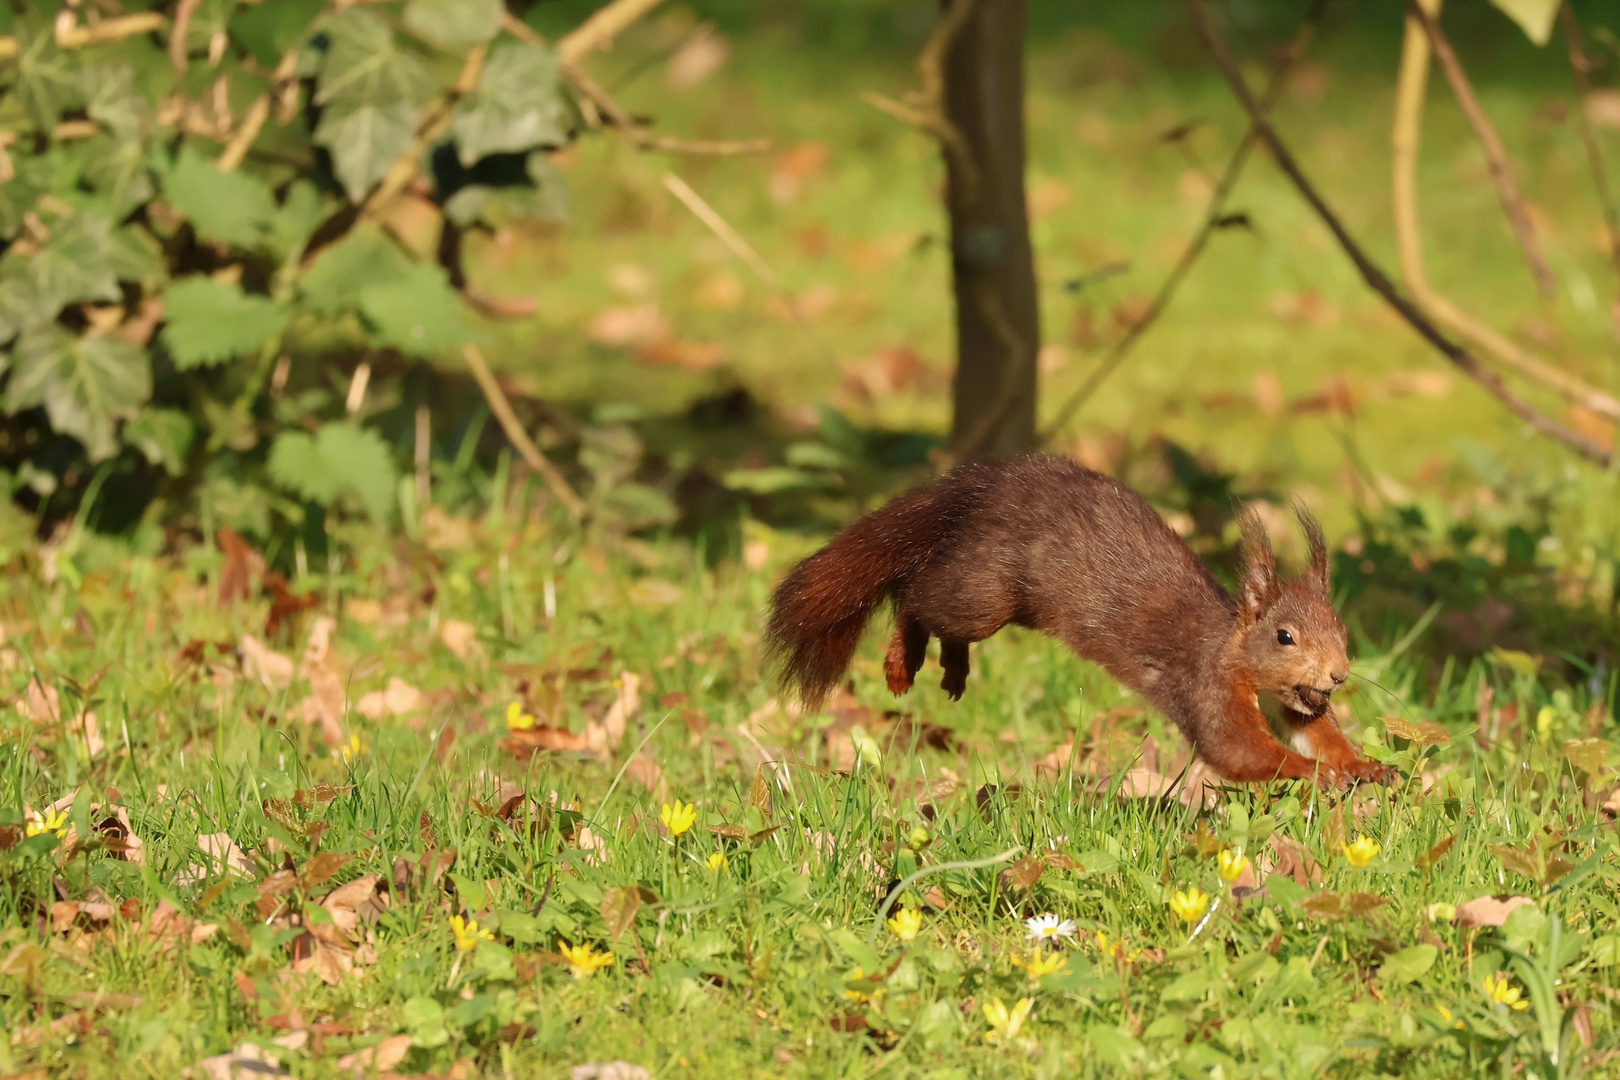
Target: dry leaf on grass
(645,771)
(1289,859)
(1488,910)
(264,665)
(398,698)
(375,1059)
(623,326)
(461,638)
(248,1061)
(625,706)
(607,1070)
(223,856)
(41,703)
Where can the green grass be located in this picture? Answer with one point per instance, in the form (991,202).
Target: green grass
(749,970)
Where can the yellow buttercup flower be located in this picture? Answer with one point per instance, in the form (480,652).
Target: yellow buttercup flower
(905,923)
(857,994)
(517,719)
(468,933)
(1502,993)
(1189,905)
(716,862)
(1231,863)
(1005,1023)
(1040,964)
(1111,947)
(53,821)
(1362,852)
(678,818)
(583,960)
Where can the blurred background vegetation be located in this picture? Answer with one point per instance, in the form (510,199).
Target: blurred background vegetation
(247,246)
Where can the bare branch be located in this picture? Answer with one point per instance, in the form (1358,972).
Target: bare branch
(1214,214)
(926,110)
(502,408)
(1495,153)
(1580,67)
(1375,277)
(604,24)
(1405,138)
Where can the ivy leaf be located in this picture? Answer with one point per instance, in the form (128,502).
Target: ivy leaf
(236,207)
(163,436)
(364,140)
(365,66)
(74,265)
(454,24)
(301,213)
(33,177)
(341,458)
(209,322)
(20,307)
(269,30)
(117,169)
(364,257)
(85,383)
(1408,964)
(45,79)
(418,314)
(110,99)
(135,255)
(1535,17)
(516,106)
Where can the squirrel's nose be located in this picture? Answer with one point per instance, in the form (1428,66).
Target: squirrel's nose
(1338,680)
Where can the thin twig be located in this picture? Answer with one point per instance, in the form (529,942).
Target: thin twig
(604,24)
(613,115)
(722,229)
(1580,68)
(502,408)
(1405,138)
(1214,216)
(1375,277)
(1495,153)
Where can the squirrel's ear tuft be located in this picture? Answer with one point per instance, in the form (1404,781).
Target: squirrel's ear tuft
(1317,576)
(1260,586)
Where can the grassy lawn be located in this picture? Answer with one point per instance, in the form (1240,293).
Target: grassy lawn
(238,818)
(268,837)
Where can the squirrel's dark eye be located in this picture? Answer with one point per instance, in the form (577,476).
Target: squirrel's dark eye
(1284,638)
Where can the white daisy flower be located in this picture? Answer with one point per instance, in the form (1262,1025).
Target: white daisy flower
(1049,926)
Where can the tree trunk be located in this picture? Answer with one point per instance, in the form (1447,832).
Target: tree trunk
(997,321)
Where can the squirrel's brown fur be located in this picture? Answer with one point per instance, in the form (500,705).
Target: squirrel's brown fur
(1041,542)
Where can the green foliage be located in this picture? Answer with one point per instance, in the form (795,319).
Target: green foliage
(210,322)
(169,238)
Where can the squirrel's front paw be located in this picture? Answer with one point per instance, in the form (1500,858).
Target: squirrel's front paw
(1367,771)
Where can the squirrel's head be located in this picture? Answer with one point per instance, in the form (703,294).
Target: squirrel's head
(1288,637)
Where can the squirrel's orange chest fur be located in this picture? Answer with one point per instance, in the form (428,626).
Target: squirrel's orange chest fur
(1041,542)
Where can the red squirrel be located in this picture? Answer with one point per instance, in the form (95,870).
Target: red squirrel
(1041,542)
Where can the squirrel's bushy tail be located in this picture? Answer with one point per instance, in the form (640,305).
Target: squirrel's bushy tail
(820,610)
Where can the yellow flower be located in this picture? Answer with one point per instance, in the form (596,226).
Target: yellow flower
(53,821)
(1005,1023)
(1189,905)
(1040,964)
(517,719)
(1231,863)
(716,862)
(1503,994)
(1119,947)
(468,933)
(352,748)
(857,994)
(583,960)
(1445,1013)
(905,923)
(1362,852)
(678,818)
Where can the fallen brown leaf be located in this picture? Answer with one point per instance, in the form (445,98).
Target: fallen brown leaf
(1488,910)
